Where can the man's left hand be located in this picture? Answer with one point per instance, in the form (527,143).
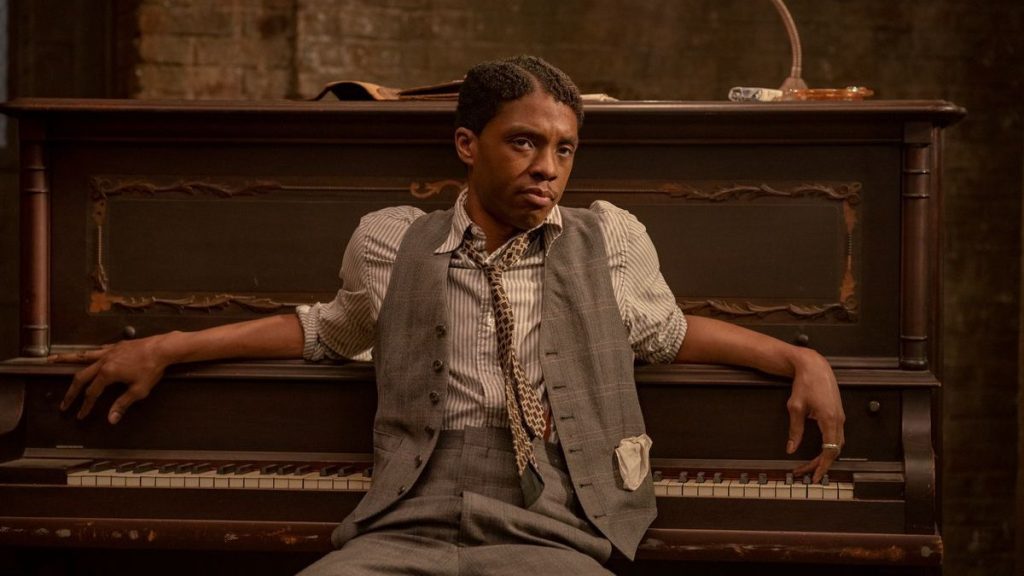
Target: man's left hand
(815,395)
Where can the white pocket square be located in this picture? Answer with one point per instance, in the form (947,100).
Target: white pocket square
(633,455)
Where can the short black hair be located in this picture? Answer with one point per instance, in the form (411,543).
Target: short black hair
(490,84)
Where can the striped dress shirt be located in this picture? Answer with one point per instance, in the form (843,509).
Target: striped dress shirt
(345,327)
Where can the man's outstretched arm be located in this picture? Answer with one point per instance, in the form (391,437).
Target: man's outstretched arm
(141,363)
(815,393)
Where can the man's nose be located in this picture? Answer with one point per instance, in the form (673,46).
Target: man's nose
(545,166)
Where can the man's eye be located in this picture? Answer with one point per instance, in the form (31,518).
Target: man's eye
(566,151)
(522,143)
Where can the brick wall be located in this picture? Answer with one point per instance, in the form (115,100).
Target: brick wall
(238,49)
(970,53)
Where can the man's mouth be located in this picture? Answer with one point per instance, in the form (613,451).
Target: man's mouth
(539,197)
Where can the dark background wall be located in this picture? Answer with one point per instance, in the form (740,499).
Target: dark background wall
(969,53)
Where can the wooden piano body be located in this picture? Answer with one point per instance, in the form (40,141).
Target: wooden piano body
(818,223)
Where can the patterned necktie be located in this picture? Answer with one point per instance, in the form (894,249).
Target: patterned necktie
(525,415)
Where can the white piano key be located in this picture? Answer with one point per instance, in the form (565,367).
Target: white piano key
(721,490)
(249,480)
(830,492)
(705,489)
(207,478)
(736,489)
(310,481)
(674,488)
(661,487)
(358,481)
(690,489)
(783,491)
(815,492)
(845,490)
(768,490)
(126,480)
(799,491)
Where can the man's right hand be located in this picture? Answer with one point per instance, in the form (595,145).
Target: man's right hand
(141,363)
(137,363)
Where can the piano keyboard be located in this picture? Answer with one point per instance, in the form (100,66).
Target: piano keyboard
(745,485)
(236,475)
(359,477)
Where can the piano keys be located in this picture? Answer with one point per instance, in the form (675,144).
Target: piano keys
(358,476)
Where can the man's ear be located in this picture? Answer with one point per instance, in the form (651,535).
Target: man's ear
(465,145)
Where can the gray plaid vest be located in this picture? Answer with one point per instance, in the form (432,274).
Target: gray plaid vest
(586,360)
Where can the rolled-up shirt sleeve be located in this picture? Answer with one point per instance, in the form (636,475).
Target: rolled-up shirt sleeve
(653,320)
(346,326)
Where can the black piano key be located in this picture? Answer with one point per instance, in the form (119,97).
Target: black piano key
(344,471)
(126,466)
(268,469)
(186,468)
(824,480)
(684,477)
(226,468)
(244,469)
(301,469)
(202,467)
(101,466)
(656,476)
(144,467)
(789,478)
(168,468)
(762,478)
(700,477)
(744,478)
(368,473)
(285,469)
(717,478)
(806,479)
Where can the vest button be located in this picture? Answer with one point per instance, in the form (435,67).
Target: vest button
(418,461)
(429,430)
(435,396)
(438,365)
(401,490)
(441,330)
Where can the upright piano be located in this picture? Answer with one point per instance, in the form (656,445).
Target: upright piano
(815,222)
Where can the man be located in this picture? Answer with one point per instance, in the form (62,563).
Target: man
(508,437)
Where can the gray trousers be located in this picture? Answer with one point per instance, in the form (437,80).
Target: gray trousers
(465,516)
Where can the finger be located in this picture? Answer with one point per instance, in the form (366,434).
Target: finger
(806,467)
(829,453)
(824,463)
(81,378)
(120,406)
(91,394)
(796,426)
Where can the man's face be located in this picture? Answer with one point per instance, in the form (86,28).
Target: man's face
(518,165)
